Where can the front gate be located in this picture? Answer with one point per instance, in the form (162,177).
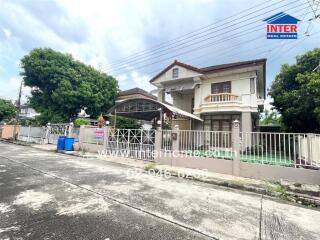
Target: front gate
(133,143)
(56,130)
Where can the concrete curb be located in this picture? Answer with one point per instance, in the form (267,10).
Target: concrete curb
(285,191)
(268,189)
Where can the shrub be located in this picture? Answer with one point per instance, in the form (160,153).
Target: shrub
(81,121)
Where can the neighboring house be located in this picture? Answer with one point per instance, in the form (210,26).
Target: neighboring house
(134,93)
(217,94)
(137,93)
(26,112)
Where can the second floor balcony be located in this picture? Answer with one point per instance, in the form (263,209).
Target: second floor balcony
(222,98)
(227,102)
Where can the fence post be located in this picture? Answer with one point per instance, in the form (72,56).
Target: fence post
(29,132)
(70,129)
(309,146)
(175,138)
(236,148)
(81,133)
(157,144)
(105,137)
(47,135)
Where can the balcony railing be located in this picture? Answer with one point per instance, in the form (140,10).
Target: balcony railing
(222,97)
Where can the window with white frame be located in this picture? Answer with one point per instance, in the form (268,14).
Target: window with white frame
(175,73)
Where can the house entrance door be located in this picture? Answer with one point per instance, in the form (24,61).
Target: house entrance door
(223,139)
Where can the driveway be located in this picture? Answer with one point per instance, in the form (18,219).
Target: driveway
(46,195)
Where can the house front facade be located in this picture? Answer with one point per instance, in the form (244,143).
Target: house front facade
(217,94)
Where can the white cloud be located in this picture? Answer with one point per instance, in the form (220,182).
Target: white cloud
(7,32)
(141,81)
(101,32)
(267,103)
(11,90)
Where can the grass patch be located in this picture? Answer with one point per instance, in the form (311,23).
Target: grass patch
(149,166)
(278,188)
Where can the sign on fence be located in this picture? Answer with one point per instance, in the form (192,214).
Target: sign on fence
(98,133)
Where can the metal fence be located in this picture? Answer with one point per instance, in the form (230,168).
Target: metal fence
(133,143)
(199,143)
(31,134)
(47,134)
(58,129)
(283,149)
(279,149)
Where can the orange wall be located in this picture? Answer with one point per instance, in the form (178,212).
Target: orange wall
(7,131)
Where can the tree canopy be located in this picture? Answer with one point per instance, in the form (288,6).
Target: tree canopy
(62,86)
(270,117)
(296,93)
(7,110)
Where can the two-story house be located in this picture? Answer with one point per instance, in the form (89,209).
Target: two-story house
(217,94)
(26,112)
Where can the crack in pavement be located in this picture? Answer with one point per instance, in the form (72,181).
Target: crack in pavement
(113,199)
(260,219)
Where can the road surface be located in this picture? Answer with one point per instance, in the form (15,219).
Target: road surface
(46,195)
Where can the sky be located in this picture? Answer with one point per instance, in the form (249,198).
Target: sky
(116,36)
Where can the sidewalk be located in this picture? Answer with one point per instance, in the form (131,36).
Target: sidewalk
(305,194)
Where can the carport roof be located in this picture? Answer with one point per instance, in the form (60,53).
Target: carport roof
(146,109)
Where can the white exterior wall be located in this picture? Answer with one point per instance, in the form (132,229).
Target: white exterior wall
(183,73)
(240,85)
(28,113)
(182,101)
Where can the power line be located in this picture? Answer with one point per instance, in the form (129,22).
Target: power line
(297,43)
(223,52)
(204,40)
(285,42)
(253,29)
(175,47)
(235,46)
(192,33)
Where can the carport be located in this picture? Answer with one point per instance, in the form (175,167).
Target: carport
(148,109)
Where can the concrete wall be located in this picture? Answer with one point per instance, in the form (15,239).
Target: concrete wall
(249,170)
(233,167)
(211,164)
(7,131)
(90,147)
(275,173)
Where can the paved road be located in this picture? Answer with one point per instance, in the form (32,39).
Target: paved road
(44,195)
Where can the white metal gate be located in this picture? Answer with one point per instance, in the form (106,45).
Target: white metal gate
(56,130)
(133,143)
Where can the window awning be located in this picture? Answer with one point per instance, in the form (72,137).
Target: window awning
(146,109)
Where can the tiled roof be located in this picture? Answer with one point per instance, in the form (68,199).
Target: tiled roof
(134,91)
(215,68)
(174,64)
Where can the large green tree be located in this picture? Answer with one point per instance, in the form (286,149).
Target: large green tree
(62,86)
(7,110)
(296,93)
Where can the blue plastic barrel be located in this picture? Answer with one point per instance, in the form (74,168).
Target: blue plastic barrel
(60,143)
(68,144)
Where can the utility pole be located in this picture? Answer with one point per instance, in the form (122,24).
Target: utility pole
(17,112)
(317,68)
